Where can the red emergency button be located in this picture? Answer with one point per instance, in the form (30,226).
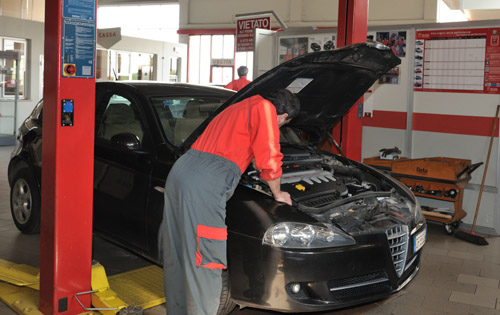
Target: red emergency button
(69,69)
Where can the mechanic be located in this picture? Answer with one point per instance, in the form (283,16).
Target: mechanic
(240,83)
(198,187)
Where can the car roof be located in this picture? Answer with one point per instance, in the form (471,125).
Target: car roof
(155,88)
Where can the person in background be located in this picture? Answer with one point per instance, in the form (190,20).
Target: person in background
(240,83)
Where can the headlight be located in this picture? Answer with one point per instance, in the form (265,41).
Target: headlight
(416,210)
(302,235)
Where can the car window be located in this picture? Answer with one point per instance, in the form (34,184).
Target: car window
(180,116)
(120,116)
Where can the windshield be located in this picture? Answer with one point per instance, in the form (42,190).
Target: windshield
(181,115)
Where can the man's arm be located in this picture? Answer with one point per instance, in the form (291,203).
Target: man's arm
(278,194)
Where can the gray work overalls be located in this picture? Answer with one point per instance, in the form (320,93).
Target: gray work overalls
(194,231)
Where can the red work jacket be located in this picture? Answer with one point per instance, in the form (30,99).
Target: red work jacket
(243,131)
(238,84)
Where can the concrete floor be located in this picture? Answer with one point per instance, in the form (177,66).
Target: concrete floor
(456,277)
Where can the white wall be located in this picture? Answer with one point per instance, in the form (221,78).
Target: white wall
(34,33)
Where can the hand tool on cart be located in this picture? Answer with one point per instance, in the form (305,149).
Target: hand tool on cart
(472,237)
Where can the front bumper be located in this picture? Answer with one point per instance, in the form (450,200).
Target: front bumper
(263,276)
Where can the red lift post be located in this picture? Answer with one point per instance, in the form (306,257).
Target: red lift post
(352,28)
(68,156)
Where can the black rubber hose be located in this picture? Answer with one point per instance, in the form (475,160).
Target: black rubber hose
(347,171)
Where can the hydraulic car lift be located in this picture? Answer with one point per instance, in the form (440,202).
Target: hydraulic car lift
(141,288)
(67,155)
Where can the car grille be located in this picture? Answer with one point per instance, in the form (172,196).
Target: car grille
(363,285)
(398,243)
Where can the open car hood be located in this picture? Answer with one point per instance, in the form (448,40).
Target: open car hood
(327,84)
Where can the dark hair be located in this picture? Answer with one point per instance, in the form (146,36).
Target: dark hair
(285,102)
(242,71)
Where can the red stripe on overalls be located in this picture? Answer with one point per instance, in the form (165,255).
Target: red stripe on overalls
(212,233)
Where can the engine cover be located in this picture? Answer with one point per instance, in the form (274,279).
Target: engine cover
(303,183)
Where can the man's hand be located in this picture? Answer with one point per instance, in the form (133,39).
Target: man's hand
(278,194)
(283,196)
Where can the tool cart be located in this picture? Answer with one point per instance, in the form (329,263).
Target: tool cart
(437,181)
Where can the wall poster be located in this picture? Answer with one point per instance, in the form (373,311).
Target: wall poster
(291,47)
(462,60)
(396,40)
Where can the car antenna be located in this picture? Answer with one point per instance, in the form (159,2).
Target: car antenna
(114,73)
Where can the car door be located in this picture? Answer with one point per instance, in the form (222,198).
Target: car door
(121,173)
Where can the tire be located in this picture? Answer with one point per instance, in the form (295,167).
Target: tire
(25,205)
(226,305)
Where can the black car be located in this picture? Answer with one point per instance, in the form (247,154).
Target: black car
(353,234)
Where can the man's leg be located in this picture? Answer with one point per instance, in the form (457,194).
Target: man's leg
(196,232)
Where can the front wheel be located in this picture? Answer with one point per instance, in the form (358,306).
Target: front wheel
(226,305)
(25,205)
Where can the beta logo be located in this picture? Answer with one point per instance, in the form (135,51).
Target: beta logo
(421,170)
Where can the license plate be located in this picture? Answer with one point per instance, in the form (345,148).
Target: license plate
(419,240)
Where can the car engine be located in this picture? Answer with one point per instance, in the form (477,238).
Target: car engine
(332,190)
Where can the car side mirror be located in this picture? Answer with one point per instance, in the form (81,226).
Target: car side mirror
(126,140)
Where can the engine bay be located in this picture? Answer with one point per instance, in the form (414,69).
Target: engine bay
(332,189)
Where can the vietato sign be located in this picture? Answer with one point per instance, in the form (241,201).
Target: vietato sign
(245,29)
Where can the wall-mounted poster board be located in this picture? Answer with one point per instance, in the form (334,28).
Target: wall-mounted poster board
(463,61)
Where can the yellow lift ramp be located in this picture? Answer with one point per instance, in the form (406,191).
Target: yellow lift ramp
(142,287)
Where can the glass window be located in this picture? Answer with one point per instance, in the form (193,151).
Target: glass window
(219,46)
(120,116)
(205,59)
(180,116)
(8,68)
(194,59)
(244,59)
(123,65)
(172,77)
(222,75)
(228,47)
